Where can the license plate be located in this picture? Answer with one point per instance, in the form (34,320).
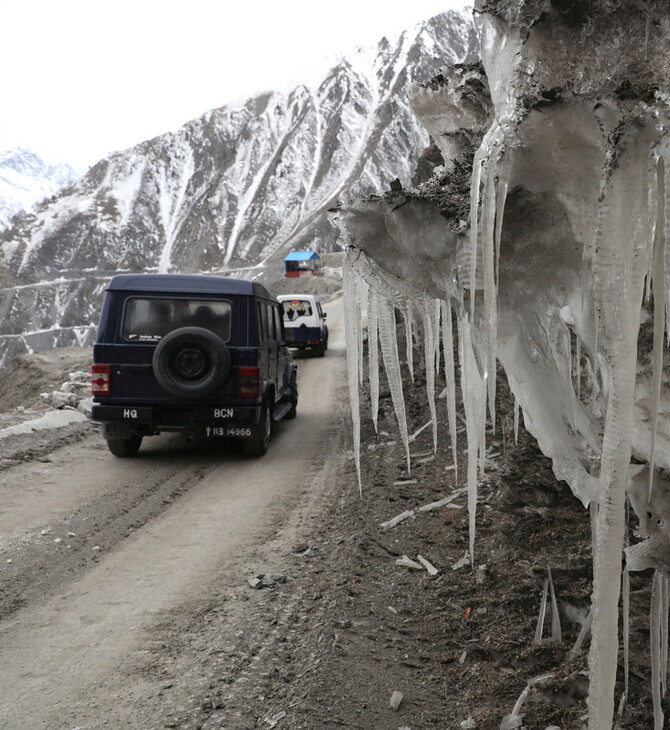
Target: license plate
(228,432)
(122,413)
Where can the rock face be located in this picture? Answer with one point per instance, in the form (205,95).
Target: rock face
(546,233)
(229,189)
(25,179)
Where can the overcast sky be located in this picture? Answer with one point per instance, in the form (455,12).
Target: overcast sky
(83,78)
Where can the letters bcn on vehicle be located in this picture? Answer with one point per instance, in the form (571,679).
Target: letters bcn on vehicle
(223,413)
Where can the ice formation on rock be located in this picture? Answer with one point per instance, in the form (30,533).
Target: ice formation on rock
(545,233)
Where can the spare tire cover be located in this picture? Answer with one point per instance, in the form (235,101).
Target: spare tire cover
(191,361)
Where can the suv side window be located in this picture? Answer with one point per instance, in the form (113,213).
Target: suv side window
(278,322)
(262,322)
(272,325)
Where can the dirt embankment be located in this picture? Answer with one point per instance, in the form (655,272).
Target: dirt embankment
(27,377)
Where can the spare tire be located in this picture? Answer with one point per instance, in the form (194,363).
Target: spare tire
(191,361)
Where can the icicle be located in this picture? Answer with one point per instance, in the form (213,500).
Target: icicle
(593,516)
(389,347)
(663,219)
(351,332)
(619,268)
(583,633)
(373,354)
(514,719)
(481,420)
(658,289)
(490,205)
(361,298)
(450,375)
(427,314)
(653,180)
(620,709)
(665,610)
(409,336)
(500,210)
(543,612)
(578,364)
(516,420)
(474,228)
(625,590)
(569,369)
(490,172)
(473,389)
(656,653)
(436,333)
(556,634)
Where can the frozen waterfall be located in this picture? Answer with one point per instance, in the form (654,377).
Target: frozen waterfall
(550,256)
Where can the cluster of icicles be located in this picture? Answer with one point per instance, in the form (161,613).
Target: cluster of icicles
(384,294)
(627,266)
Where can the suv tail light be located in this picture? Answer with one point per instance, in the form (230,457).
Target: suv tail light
(100,380)
(247,383)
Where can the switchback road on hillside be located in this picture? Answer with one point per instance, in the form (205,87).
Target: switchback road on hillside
(105,561)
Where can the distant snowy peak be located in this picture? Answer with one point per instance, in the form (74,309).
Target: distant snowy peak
(26,179)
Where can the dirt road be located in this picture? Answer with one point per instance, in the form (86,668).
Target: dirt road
(100,555)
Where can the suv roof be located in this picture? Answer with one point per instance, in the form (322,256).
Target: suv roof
(187,283)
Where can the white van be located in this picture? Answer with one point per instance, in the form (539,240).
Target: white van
(304,322)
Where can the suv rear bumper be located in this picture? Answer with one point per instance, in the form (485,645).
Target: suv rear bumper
(208,421)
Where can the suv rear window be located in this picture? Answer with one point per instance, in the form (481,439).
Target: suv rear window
(148,319)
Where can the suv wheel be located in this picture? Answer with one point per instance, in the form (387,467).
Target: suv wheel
(125,447)
(259,446)
(293,411)
(191,361)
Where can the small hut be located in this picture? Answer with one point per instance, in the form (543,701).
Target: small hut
(298,263)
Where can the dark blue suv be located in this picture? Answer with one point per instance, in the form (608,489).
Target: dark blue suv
(203,355)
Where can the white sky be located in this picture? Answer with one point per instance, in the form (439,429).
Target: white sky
(82,78)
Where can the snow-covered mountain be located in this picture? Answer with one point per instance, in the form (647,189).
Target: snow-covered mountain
(235,186)
(26,179)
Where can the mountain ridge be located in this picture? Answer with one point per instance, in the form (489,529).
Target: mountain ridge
(234,187)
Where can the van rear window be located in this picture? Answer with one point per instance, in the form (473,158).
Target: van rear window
(148,319)
(295,308)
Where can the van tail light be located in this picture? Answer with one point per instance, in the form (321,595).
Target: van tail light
(247,383)
(100,384)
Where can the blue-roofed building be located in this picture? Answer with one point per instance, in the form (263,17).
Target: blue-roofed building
(298,263)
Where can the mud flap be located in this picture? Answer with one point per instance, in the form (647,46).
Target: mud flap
(118,430)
